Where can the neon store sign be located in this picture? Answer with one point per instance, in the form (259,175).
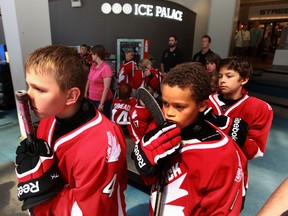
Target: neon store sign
(142,10)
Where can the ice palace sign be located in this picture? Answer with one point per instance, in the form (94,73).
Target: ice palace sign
(142,10)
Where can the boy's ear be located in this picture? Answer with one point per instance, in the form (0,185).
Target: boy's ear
(203,105)
(73,95)
(244,81)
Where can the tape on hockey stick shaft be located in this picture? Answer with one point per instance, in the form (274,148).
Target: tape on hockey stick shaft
(23,102)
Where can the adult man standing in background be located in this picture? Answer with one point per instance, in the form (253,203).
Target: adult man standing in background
(256,34)
(171,56)
(242,39)
(205,50)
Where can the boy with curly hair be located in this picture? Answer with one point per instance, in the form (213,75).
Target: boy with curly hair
(204,167)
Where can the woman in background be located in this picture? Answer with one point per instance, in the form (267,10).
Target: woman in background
(99,79)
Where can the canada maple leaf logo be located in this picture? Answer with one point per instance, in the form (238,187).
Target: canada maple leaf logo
(172,192)
(121,76)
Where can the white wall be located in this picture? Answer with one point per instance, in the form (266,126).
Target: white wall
(202,9)
(216,18)
(27,26)
(221,25)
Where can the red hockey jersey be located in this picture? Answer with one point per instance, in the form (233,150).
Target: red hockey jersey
(126,72)
(257,113)
(120,110)
(92,161)
(141,121)
(154,80)
(202,178)
(138,79)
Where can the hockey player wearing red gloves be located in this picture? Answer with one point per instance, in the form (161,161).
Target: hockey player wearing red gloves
(152,76)
(204,166)
(79,167)
(234,101)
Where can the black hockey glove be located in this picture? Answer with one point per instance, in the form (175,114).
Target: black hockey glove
(37,175)
(155,145)
(236,128)
(220,121)
(238,131)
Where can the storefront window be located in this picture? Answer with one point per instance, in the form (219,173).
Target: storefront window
(283,42)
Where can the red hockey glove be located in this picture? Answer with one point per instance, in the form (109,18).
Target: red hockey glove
(155,145)
(37,175)
(236,128)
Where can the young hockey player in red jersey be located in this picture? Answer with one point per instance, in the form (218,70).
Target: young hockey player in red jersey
(146,75)
(152,76)
(204,166)
(140,120)
(127,68)
(75,143)
(234,101)
(121,106)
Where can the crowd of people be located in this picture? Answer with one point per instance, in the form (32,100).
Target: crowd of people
(253,42)
(197,160)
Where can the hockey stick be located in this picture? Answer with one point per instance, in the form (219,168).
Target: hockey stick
(23,102)
(157,114)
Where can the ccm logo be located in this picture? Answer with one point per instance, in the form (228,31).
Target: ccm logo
(28,188)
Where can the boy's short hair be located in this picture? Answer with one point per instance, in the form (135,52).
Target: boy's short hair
(130,51)
(84,45)
(238,64)
(99,50)
(63,63)
(143,63)
(125,91)
(190,75)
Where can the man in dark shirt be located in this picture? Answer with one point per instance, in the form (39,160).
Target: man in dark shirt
(171,56)
(205,50)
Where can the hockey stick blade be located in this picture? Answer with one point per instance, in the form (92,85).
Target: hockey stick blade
(151,105)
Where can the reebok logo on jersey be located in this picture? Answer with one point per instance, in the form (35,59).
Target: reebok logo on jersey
(28,188)
(139,157)
(235,129)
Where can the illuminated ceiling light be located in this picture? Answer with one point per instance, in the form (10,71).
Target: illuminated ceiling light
(106,8)
(127,9)
(116,8)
